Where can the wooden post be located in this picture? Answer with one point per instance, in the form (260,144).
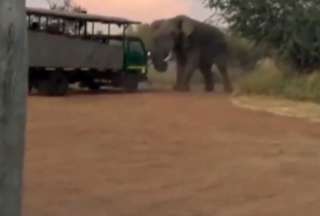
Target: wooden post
(13,90)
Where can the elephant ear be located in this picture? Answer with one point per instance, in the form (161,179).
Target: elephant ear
(187,26)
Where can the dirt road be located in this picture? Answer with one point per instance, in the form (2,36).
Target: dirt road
(167,154)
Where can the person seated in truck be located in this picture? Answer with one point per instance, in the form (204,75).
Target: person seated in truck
(35,26)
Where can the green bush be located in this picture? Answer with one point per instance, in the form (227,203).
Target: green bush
(243,53)
(290,26)
(266,78)
(270,78)
(303,88)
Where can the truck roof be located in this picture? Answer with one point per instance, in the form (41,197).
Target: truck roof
(80,16)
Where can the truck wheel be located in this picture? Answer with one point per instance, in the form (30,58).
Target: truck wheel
(131,82)
(30,86)
(56,84)
(93,86)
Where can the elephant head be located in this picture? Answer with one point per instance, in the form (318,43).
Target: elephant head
(166,36)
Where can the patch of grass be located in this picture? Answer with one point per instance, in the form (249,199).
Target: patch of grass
(284,107)
(303,88)
(268,78)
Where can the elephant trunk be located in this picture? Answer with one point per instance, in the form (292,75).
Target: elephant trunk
(159,61)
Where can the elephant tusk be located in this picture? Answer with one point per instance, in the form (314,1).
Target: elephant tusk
(169,57)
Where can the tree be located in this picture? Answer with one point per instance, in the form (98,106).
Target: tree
(13,90)
(66,5)
(292,27)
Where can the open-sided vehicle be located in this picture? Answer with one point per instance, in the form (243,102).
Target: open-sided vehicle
(76,48)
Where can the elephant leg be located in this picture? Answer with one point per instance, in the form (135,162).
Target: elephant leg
(192,63)
(187,76)
(208,78)
(179,77)
(225,76)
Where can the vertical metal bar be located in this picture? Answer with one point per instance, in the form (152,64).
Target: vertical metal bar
(29,21)
(124,49)
(47,23)
(13,85)
(39,21)
(86,28)
(64,26)
(79,28)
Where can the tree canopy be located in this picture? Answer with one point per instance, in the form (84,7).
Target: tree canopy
(292,27)
(66,5)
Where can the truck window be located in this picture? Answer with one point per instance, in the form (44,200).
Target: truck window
(54,26)
(136,47)
(34,23)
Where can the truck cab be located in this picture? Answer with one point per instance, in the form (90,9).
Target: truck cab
(136,56)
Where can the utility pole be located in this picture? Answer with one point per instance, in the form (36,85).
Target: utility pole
(13,91)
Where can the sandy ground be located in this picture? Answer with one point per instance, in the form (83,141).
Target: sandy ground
(167,154)
(280,106)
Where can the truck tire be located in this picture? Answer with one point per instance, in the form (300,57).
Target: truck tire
(56,84)
(30,86)
(131,82)
(93,86)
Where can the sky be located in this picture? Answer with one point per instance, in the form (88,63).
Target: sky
(141,10)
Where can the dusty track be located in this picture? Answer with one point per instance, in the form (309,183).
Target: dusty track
(164,154)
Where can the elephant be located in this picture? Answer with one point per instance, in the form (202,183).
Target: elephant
(193,45)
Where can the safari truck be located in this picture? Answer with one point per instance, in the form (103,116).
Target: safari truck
(77,48)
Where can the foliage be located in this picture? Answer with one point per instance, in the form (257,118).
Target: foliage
(69,6)
(265,79)
(290,26)
(244,54)
(66,5)
(270,78)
